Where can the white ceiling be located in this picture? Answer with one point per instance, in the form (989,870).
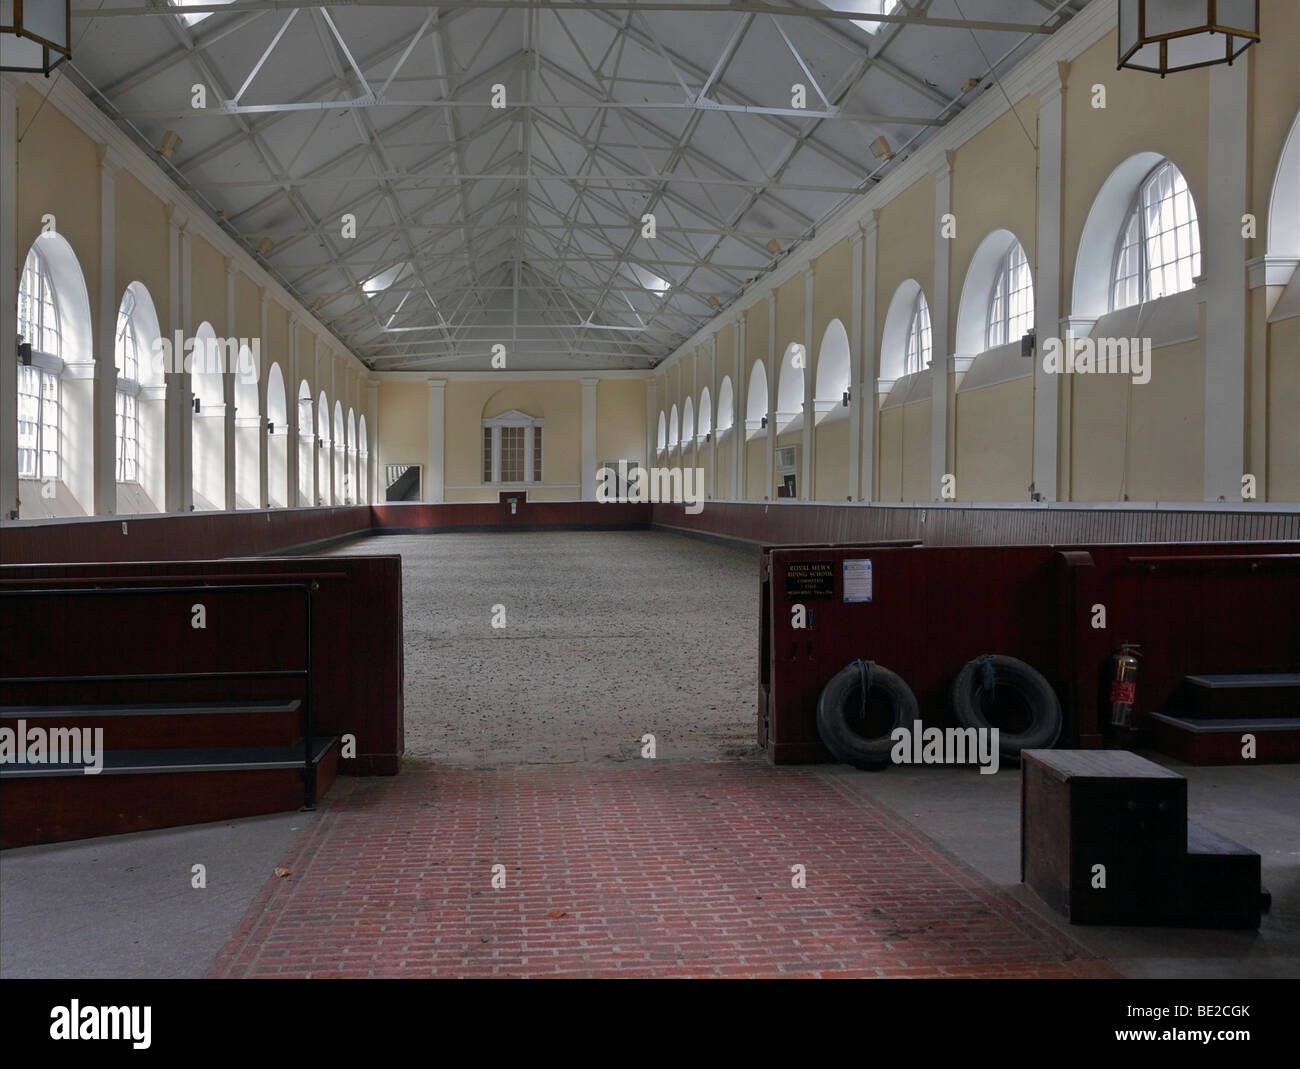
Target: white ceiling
(521,226)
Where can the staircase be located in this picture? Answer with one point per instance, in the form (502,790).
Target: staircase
(88,751)
(1245,719)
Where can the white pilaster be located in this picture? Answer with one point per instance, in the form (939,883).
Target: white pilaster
(228,392)
(1047,284)
(651,421)
(713,415)
(104,436)
(939,330)
(373,488)
(8,308)
(739,402)
(770,441)
(806,467)
(437,436)
(1225,268)
(589,439)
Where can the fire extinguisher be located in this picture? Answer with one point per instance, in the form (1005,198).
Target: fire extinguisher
(1123,684)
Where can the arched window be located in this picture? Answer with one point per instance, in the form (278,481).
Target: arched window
(726,405)
(126,356)
(672,427)
(688,422)
(663,432)
(38,380)
(1011,306)
(918,337)
(1159,251)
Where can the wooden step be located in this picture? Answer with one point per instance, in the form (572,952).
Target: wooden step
(170,725)
(1220,742)
(1221,883)
(141,790)
(1247,694)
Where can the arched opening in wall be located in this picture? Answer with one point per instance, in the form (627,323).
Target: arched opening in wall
(790,388)
(726,406)
(338,456)
(1284,198)
(306,444)
(363,461)
(1141,240)
(756,402)
(140,406)
(997,298)
(56,384)
(662,439)
(277,440)
(350,480)
(673,438)
(688,423)
(323,451)
(248,432)
(834,375)
(208,426)
(905,337)
(705,429)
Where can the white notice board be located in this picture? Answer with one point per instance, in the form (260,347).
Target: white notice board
(857,580)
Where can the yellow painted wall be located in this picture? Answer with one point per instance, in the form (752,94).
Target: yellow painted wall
(831,481)
(1284,411)
(756,470)
(995,441)
(142,244)
(620,420)
(904,248)
(832,291)
(404,423)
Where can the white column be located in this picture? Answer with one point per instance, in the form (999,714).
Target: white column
(713,415)
(372,443)
(437,430)
(1047,285)
(1225,268)
(806,467)
(739,401)
(770,440)
(292,429)
(939,330)
(105,398)
(183,421)
(589,439)
(695,400)
(855,368)
(869,362)
(651,420)
(8,308)
(318,442)
(228,393)
(263,413)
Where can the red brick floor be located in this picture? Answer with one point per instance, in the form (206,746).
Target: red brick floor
(647,870)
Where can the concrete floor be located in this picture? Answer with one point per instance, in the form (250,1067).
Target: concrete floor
(578,675)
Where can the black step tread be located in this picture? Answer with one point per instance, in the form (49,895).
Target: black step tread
(207,759)
(49,712)
(1202,841)
(1276,723)
(1249,679)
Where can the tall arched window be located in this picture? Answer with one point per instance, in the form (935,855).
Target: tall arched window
(1011,306)
(126,355)
(918,337)
(1159,251)
(38,380)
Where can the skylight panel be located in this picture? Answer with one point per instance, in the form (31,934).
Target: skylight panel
(197,16)
(864,7)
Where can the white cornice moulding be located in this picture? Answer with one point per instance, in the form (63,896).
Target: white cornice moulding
(1270,270)
(505,376)
(1079,34)
(183,213)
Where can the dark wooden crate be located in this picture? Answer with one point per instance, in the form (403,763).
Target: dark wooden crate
(1081,808)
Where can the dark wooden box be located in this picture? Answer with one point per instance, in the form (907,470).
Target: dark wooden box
(1083,808)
